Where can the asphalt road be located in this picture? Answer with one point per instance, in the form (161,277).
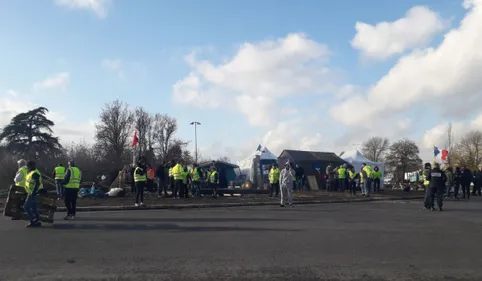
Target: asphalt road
(358,241)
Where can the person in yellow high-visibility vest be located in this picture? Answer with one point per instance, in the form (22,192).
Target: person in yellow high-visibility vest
(273,176)
(195,177)
(71,183)
(342,177)
(377,178)
(214,181)
(59,176)
(352,176)
(366,179)
(20,180)
(33,185)
(426,184)
(177,173)
(140,179)
(184,193)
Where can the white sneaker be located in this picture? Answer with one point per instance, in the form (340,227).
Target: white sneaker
(137,205)
(142,204)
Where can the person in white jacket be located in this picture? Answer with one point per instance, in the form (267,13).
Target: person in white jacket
(286,185)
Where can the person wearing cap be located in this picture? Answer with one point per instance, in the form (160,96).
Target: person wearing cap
(71,183)
(59,176)
(32,187)
(286,185)
(437,180)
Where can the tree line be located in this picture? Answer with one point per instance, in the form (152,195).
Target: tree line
(402,156)
(30,135)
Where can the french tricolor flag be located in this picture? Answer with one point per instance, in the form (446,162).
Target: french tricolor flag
(440,155)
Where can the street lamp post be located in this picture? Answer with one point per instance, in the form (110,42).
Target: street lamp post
(195,123)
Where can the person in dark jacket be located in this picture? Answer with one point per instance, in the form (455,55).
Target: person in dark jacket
(477,181)
(437,180)
(299,177)
(450,181)
(161,180)
(426,184)
(457,181)
(467,179)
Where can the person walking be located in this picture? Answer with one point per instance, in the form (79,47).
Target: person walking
(274,175)
(59,176)
(140,179)
(286,185)
(450,181)
(33,184)
(426,184)
(477,181)
(437,179)
(71,183)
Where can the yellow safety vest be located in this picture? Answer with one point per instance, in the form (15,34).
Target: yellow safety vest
(30,183)
(74,180)
(137,177)
(425,181)
(274,175)
(212,177)
(170,172)
(177,172)
(23,182)
(377,174)
(195,174)
(208,176)
(352,174)
(342,173)
(184,176)
(59,173)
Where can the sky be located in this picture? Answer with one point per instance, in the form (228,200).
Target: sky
(310,75)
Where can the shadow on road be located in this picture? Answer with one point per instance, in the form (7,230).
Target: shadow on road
(137,219)
(165,227)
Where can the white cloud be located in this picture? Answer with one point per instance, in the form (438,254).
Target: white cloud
(438,136)
(114,65)
(60,80)
(256,76)
(66,130)
(385,39)
(99,7)
(12,93)
(445,79)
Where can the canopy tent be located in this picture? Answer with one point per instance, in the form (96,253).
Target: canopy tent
(266,158)
(356,159)
(312,162)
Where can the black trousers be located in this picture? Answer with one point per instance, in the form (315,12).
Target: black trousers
(352,184)
(456,189)
(70,200)
(274,187)
(376,185)
(466,190)
(214,187)
(426,200)
(342,185)
(183,192)
(140,185)
(177,188)
(439,193)
(161,186)
(477,188)
(170,182)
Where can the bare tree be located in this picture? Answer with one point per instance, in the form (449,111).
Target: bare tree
(375,147)
(469,150)
(143,126)
(403,157)
(164,130)
(113,131)
(224,159)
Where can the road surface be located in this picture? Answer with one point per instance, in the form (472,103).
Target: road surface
(358,241)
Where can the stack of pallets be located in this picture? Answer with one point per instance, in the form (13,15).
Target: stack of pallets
(46,203)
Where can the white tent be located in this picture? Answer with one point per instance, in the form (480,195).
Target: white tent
(246,165)
(355,158)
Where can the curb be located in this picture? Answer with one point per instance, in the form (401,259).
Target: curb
(226,205)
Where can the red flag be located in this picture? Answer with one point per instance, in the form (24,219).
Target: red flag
(445,153)
(135,141)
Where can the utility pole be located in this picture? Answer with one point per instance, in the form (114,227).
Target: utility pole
(195,123)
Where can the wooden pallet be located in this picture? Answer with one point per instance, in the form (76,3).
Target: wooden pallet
(46,203)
